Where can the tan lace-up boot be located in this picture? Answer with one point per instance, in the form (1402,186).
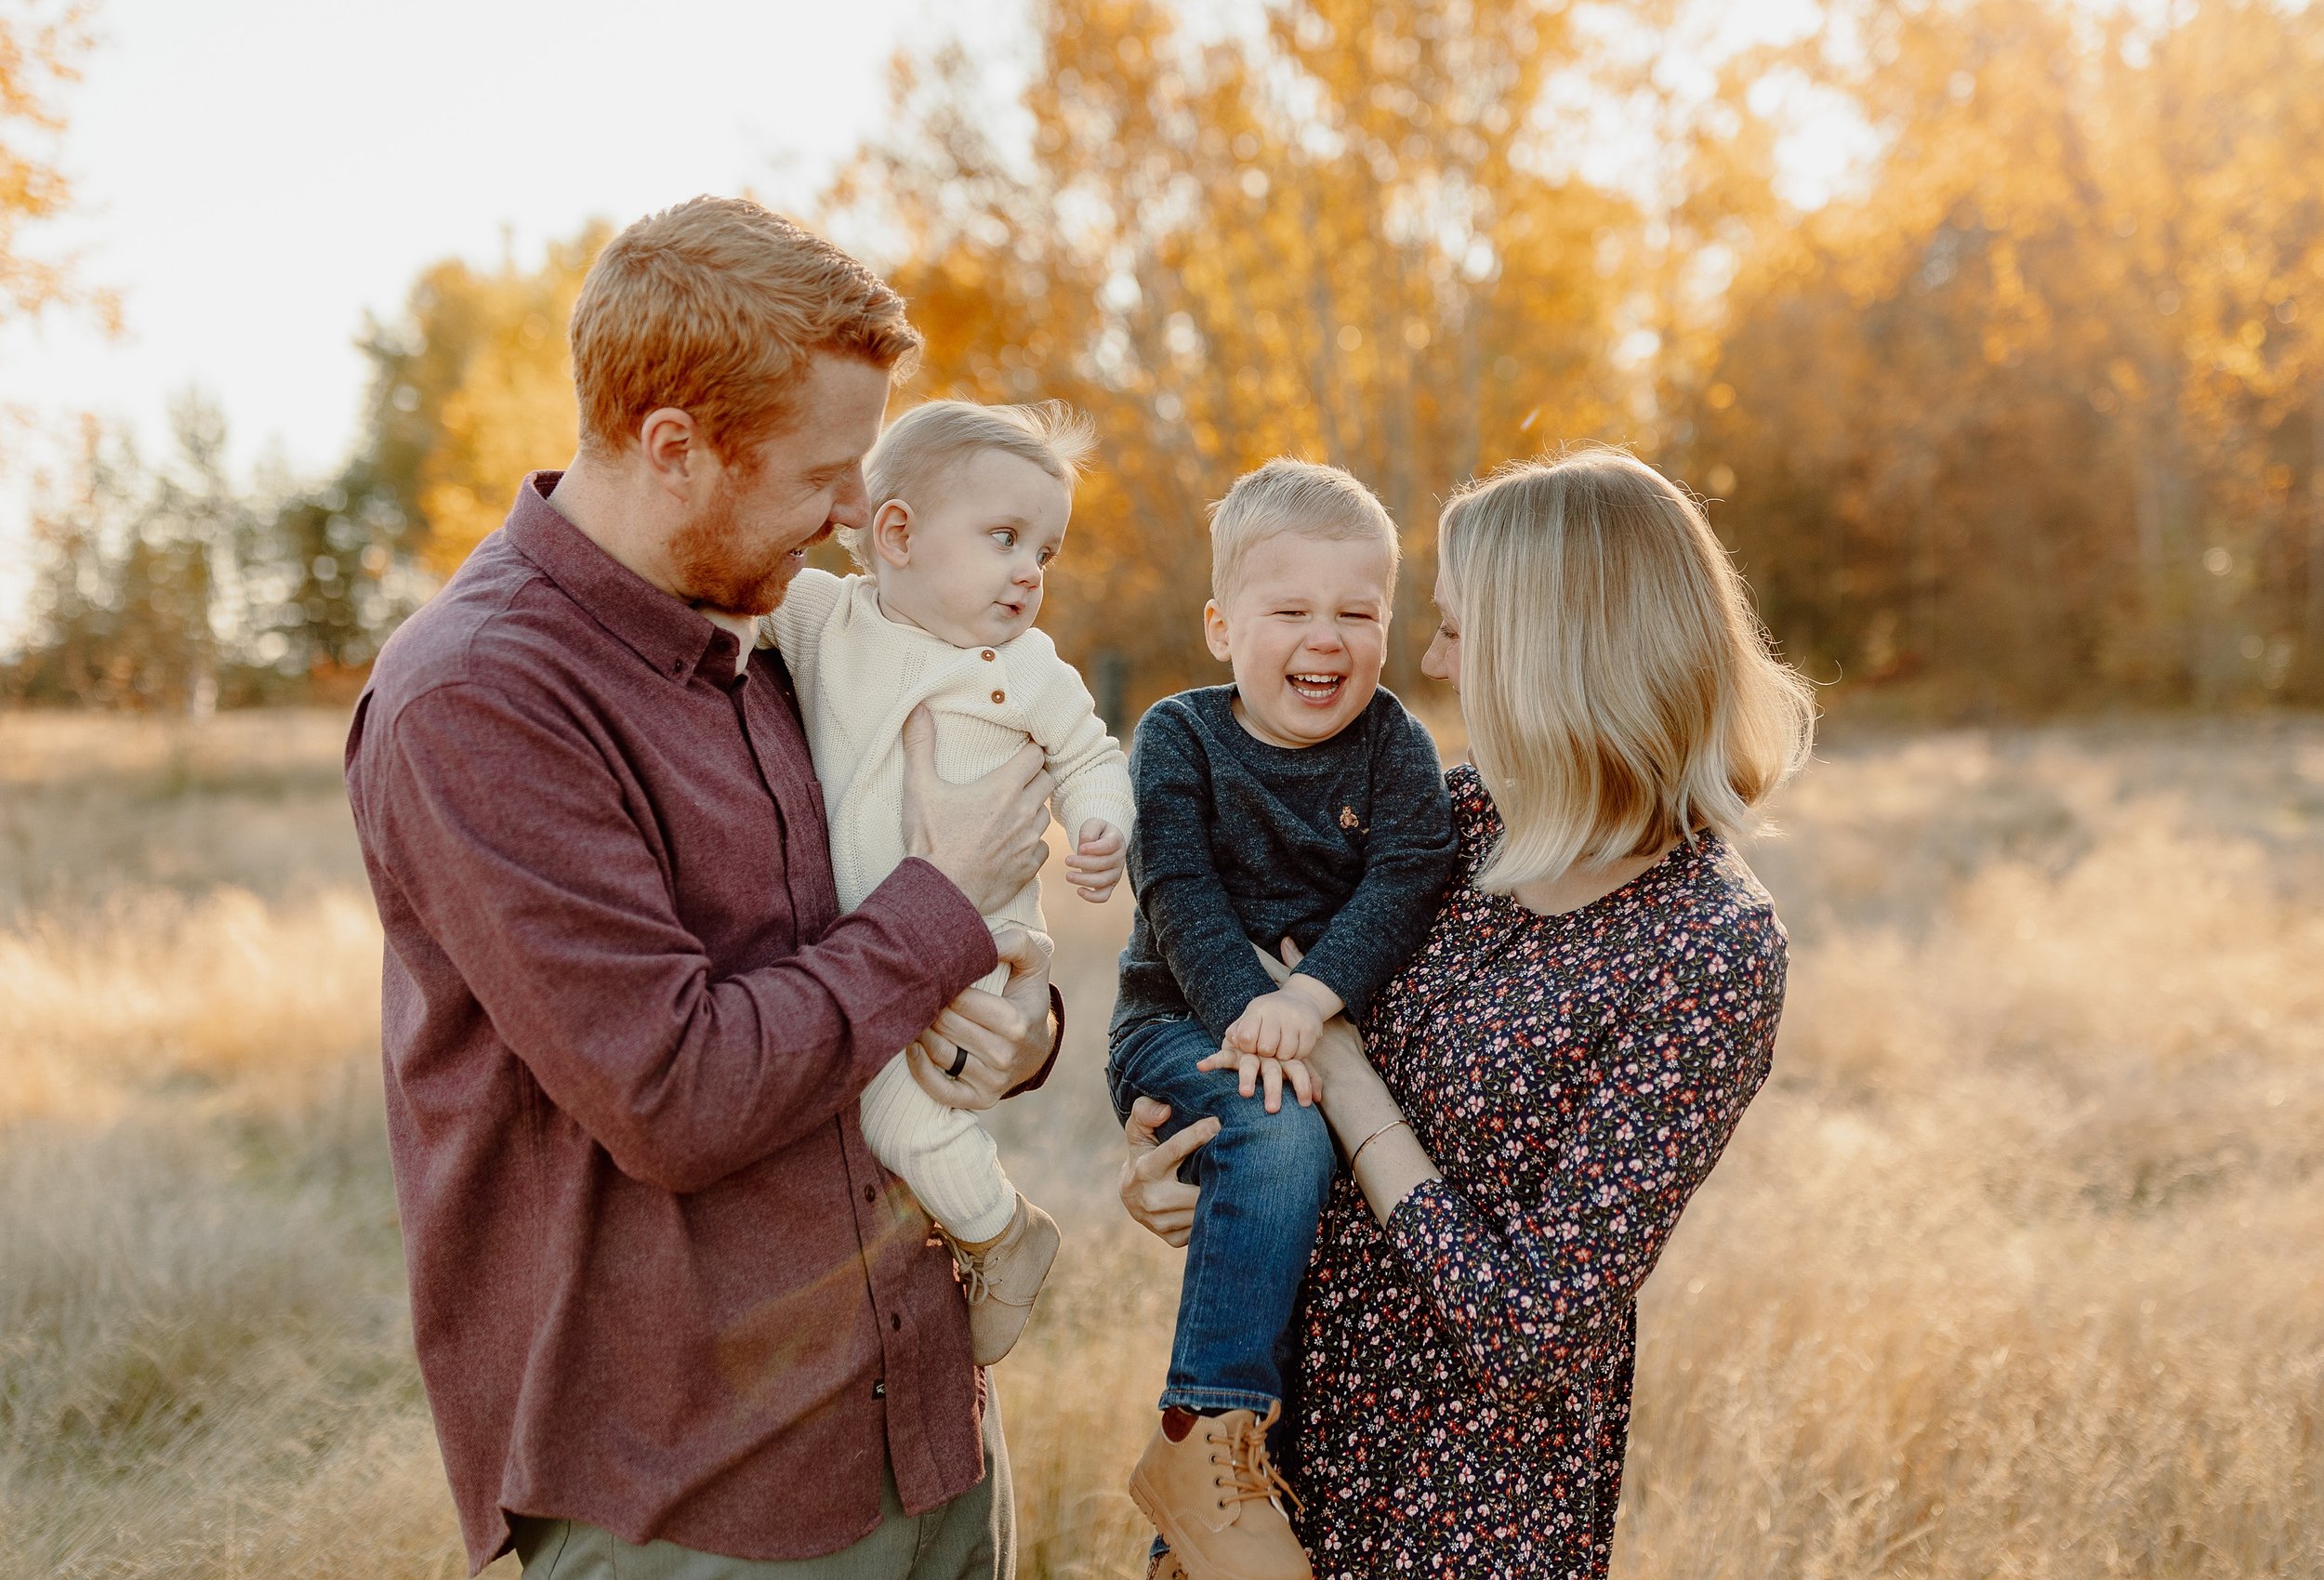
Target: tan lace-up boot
(1003,1275)
(1218,1499)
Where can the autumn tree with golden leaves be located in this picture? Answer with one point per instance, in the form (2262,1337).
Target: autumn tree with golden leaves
(1334,241)
(471,390)
(41,49)
(2038,418)
(2028,416)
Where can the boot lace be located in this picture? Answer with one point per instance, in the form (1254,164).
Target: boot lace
(1251,1472)
(976,1279)
(973,1277)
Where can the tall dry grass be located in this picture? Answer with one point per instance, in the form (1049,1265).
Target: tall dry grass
(2012,1269)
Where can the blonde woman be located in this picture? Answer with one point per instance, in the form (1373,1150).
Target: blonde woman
(1534,1099)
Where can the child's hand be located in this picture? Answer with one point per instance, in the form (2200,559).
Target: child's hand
(1282,1024)
(1094,864)
(1257,1073)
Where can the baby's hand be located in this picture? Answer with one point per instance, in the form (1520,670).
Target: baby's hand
(1094,864)
(1286,1024)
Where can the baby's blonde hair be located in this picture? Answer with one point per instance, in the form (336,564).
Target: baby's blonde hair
(1293,496)
(1618,689)
(930,438)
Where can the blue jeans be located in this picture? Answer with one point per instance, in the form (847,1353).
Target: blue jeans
(1264,1178)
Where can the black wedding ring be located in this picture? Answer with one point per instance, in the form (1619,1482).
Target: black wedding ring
(960,1063)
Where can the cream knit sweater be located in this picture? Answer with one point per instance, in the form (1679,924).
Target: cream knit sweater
(860,674)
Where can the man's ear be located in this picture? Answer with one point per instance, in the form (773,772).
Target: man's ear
(890,534)
(1214,630)
(672,449)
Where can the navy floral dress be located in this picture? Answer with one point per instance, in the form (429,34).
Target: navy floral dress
(1462,1394)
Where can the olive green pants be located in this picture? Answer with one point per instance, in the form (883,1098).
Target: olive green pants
(973,1538)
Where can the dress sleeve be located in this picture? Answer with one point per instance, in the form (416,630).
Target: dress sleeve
(1409,857)
(1528,1295)
(1175,875)
(1092,774)
(1475,824)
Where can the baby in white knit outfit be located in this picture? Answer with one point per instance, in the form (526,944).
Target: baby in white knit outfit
(971,504)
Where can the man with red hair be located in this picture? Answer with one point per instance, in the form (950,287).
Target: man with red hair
(673,1317)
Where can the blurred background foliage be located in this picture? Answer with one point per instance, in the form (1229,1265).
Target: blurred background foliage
(2023,412)
(41,49)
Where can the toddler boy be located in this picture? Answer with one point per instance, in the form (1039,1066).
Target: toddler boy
(971,504)
(1301,802)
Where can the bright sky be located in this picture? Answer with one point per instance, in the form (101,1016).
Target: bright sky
(253,175)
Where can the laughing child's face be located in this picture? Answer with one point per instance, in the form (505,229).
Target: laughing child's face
(1306,629)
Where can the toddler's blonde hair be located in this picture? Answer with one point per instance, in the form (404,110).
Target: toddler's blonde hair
(928,440)
(1293,496)
(1618,689)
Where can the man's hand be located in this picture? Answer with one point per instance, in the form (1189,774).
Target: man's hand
(984,836)
(1006,1034)
(1151,1189)
(1094,866)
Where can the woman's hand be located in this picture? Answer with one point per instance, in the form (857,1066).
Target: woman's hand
(1340,1067)
(1338,1053)
(1258,1073)
(1152,1191)
(1361,1110)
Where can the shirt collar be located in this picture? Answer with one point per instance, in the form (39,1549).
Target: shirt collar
(674,640)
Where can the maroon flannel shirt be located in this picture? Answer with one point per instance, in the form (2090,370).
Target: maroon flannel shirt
(659,1283)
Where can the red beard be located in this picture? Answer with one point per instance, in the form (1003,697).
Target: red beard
(713,568)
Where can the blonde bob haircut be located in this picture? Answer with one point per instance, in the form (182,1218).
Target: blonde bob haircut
(935,436)
(716,307)
(1618,689)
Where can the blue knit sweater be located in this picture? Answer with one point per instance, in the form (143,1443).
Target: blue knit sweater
(1343,847)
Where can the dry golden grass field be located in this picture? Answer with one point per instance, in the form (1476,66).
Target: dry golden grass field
(2015,1268)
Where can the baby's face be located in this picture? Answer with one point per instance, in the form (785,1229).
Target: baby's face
(965,564)
(1307,630)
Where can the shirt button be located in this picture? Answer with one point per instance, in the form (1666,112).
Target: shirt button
(988,656)
(895,1321)
(1000,696)
(871,1192)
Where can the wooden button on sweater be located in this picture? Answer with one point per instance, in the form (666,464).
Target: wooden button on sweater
(860,674)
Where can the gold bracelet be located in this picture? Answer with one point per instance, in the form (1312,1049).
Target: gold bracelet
(1374,1137)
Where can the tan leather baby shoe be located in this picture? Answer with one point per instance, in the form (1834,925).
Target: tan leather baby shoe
(1003,1276)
